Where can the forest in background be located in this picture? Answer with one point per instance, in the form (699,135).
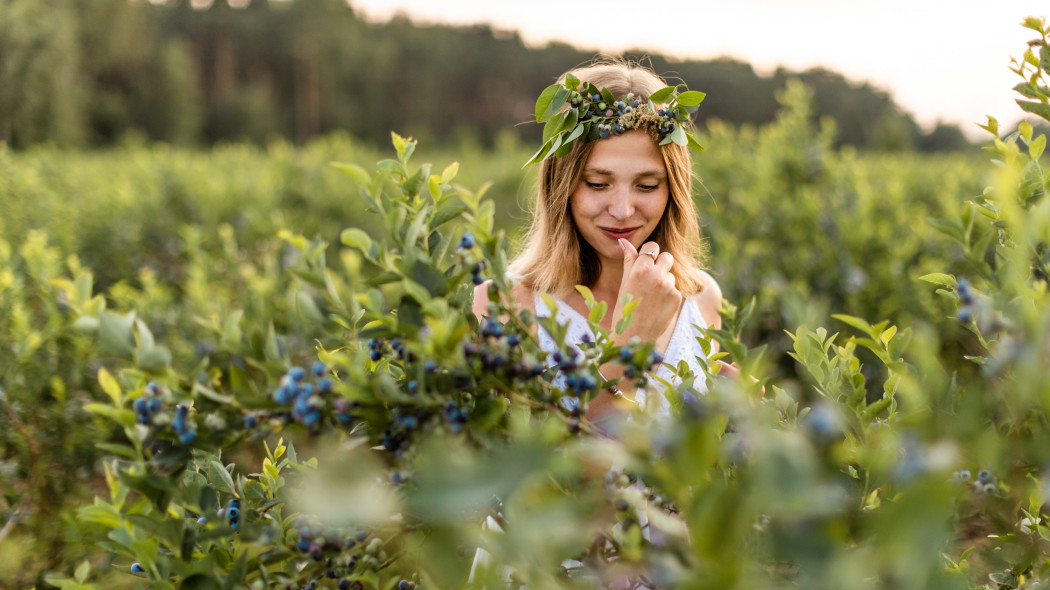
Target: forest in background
(91,73)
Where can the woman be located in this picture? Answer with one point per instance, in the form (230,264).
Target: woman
(615,213)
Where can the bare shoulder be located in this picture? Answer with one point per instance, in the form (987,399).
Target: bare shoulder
(709,300)
(520,295)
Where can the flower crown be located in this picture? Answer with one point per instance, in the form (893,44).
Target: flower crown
(596,114)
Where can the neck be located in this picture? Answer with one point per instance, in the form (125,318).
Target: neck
(607,287)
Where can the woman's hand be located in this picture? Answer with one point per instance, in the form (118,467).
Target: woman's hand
(647,277)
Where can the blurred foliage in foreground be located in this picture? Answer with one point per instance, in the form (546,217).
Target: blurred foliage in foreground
(909,453)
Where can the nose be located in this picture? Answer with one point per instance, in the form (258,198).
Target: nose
(621,205)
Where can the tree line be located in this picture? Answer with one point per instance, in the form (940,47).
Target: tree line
(88,74)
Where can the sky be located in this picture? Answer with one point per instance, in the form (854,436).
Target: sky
(940,60)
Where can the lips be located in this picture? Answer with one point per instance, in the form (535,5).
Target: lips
(615,233)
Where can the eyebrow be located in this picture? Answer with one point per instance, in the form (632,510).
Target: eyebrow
(603,172)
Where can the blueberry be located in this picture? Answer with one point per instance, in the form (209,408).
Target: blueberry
(430,366)
(303,545)
(984,476)
(344,584)
(202,520)
(187,437)
(410,422)
(320,369)
(618,128)
(374,343)
(413,387)
(988,488)
(513,340)
(311,418)
(603,133)
(136,568)
(636,103)
(477,279)
(375,355)
(965,315)
(324,385)
(626,354)
(296,373)
(404,585)
(140,406)
(964,475)
(154,405)
(596,97)
(282,396)
(655,359)
(467,241)
(965,296)
(181,411)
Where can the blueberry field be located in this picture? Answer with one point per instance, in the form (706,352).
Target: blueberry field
(256,367)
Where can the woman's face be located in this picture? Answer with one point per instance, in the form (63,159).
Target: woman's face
(622,193)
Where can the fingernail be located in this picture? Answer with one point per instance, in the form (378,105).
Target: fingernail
(621,241)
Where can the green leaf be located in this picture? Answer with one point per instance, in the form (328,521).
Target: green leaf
(1026,89)
(1034,23)
(543,103)
(939,278)
(856,322)
(553,126)
(219,478)
(1035,149)
(115,335)
(1036,108)
(356,238)
(450,172)
(82,571)
(110,386)
(1025,128)
(691,98)
(122,450)
(231,330)
(125,418)
(153,360)
(693,143)
(560,96)
(355,172)
(447,213)
(662,94)
(679,136)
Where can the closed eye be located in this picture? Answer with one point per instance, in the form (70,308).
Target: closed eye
(648,187)
(596,185)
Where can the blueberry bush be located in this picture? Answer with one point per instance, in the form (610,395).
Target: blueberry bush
(334,416)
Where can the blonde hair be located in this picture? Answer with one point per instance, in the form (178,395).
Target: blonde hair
(553,258)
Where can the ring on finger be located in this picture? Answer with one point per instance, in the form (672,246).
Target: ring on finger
(653,254)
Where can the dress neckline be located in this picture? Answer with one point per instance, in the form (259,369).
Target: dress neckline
(676,334)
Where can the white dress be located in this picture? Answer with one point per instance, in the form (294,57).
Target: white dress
(683,346)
